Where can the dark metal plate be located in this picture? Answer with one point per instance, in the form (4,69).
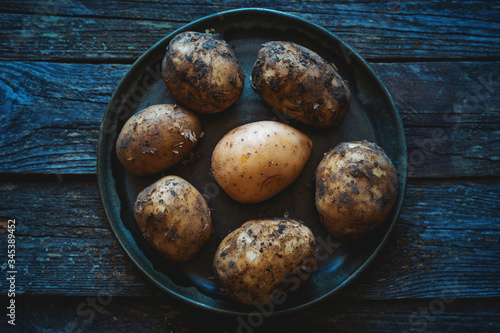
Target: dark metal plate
(373,117)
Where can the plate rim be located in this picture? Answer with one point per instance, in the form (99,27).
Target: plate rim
(104,186)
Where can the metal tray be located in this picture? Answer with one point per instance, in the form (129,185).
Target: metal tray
(373,116)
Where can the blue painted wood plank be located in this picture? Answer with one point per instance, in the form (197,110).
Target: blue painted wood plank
(447,240)
(165,315)
(121,31)
(50,119)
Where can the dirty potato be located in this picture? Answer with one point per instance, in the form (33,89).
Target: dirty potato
(202,72)
(265,259)
(157,138)
(255,161)
(174,218)
(299,83)
(356,188)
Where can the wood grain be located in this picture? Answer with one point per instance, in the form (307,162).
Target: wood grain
(65,245)
(61,60)
(163,314)
(450,115)
(120,31)
(51,118)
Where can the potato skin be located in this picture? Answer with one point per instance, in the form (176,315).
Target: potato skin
(356,188)
(174,218)
(157,138)
(299,83)
(263,256)
(255,161)
(201,72)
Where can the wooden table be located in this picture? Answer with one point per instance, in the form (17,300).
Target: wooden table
(440,271)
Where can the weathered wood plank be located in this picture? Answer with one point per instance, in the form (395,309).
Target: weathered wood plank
(50,119)
(95,30)
(451,117)
(40,314)
(447,241)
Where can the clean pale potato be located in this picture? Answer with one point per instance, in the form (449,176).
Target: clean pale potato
(201,72)
(265,259)
(299,83)
(157,138)
(174,218)
(356,188)
(253,162)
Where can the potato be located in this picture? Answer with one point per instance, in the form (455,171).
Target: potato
(300,84)
(264,259)
(202,72)
(156,138)
(356,188)
(174,218)
(253,162)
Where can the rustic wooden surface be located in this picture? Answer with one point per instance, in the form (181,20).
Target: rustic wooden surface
(465,140)
(60,62)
